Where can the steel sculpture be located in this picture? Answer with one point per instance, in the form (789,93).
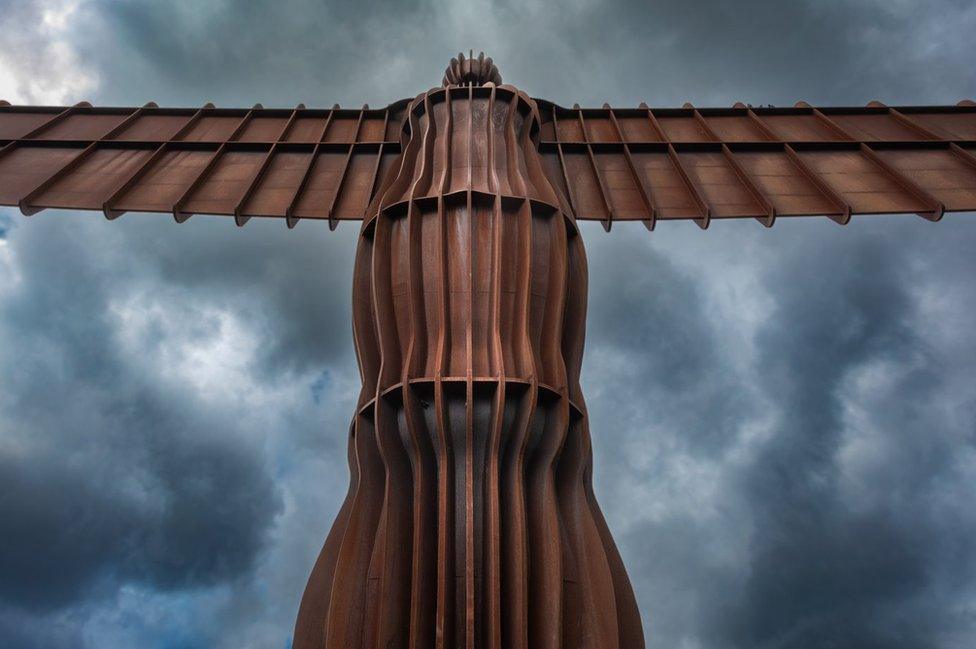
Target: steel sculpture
(470,520)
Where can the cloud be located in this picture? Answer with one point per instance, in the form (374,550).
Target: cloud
(111,472)
(813,521)
(782,419)
(38,62)
(836,558)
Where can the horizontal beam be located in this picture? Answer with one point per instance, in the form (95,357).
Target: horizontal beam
(610,164)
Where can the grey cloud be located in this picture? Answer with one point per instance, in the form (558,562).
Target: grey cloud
(820,571)
(782,420)
(665,53)
(828,534)
(304,321)
(830,565)
(111,476)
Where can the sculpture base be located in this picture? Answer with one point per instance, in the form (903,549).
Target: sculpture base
(470,522)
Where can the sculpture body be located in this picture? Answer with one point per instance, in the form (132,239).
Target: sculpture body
(470,519)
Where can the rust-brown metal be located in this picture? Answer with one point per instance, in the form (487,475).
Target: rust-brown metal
(609,165)
(470,519)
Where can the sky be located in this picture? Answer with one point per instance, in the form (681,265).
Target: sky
(784,420)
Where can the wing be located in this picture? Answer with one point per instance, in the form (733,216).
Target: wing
(291,164)
(643,164)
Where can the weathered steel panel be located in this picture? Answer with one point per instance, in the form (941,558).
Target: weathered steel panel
(94,180)
(782,182)
(24,168)
(224,187)
(946,124)
(620,163)
(164,182)
(276,190)
(263,129)
(725,195)
(16,124)
(942,172)
(83,126)
(154,128)
(671,195)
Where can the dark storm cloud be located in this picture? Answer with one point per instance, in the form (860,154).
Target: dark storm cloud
(108,474)
(842,569)
(855,573)
(839,529)
(783,420)
(112,476)
(305,319)
(277,53)
(664,52)
(777,52)
(658,315)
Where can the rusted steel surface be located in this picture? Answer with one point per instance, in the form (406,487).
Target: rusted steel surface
(470,519)
(291,164)
(649,165)
(608,164)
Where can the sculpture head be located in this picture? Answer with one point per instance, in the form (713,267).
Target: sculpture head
(475,71)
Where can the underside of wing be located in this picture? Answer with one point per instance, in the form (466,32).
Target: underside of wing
(611,164)
(651,165)
(286,163)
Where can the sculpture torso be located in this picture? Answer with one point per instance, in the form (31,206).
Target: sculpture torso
(470,521)
(466,252)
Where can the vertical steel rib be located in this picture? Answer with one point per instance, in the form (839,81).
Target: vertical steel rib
(419,616)
(333,222)
(178,212)
(492,513)
(573,203)
(936,208)
(412,440)
(844,209)
(446,550)
(704,211)
(108,207)
(639,182)
(518,574)
(290,219)
(469,545)
(608,222)
(741,174)
(239,217)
